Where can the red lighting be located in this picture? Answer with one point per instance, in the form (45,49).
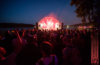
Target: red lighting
(49,23)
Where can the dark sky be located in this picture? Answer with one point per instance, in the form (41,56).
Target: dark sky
(31,11)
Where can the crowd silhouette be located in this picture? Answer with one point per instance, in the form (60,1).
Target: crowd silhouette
(36,47)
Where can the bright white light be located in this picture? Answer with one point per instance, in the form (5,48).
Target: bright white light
(49,23)
(67,26)
(41,25)
(56,25)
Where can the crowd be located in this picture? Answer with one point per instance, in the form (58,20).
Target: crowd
(36,47)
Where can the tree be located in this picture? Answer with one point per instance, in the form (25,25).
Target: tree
(96,15)
(84,9)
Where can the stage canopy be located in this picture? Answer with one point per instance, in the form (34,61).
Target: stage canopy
(49,23)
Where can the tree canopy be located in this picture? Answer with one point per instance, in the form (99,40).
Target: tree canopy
(87,9)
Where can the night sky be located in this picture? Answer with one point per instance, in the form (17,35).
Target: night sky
(31,11)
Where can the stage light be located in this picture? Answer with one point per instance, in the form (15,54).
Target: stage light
(49,23)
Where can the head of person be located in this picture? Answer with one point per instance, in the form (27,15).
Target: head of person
(2,53)
(67,41)
(46,48)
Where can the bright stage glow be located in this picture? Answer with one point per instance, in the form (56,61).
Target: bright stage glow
(49,23)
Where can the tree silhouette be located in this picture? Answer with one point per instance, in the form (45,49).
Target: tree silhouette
(87,9)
